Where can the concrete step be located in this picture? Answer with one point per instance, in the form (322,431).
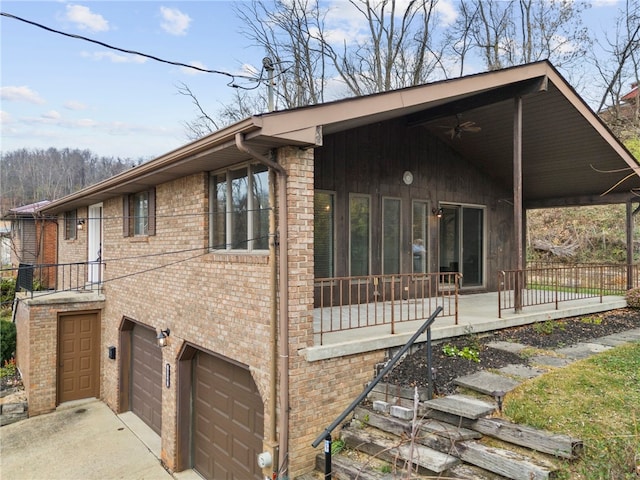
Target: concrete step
(487,383)
(521,371)
(461,405)
(581,351)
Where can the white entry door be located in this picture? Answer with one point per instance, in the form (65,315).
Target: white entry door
(95,244)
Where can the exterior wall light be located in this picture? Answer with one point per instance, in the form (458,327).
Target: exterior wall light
(80,224)
(437,212)
(162,338)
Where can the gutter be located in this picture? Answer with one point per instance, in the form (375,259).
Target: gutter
(280,459)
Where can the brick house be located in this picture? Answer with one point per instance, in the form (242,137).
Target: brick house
(32,238)
(218,249)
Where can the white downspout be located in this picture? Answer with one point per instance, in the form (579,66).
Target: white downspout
(284,309)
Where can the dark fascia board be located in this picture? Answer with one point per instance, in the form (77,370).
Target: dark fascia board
(488,97)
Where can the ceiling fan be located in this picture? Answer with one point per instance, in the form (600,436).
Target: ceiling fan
(456,131)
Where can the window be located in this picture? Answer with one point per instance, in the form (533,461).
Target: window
(239,208)
(323,234)
(359,235)
(419,229)
(391,235)
(71,225)
(139,211)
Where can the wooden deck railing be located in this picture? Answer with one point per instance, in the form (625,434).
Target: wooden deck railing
(346,303)
(553,284)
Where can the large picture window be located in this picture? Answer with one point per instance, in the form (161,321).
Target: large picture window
(323,234)
(239,207)
(359,235)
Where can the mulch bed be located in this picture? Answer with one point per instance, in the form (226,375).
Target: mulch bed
(412,371)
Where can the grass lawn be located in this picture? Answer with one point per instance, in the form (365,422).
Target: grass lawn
(596,400)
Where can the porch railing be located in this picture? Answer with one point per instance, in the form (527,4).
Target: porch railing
(346,303)
(553,284)
(57,277)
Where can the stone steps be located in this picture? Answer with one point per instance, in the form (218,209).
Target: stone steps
(448,438)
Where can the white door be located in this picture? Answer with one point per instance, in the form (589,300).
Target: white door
(95,244)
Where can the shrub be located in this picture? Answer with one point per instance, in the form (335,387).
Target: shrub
(633,297)
(7,291)
(7,340)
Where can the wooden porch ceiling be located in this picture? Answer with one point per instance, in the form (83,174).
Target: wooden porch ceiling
(565,161)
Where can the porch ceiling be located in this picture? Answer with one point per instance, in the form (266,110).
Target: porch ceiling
(564,159)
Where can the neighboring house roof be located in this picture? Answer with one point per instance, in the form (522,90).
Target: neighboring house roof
(561,136)
(632,95)
(26,210)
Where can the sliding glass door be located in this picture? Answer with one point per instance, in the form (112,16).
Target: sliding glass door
(462,243)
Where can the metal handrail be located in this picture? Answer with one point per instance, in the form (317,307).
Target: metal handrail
(326,434)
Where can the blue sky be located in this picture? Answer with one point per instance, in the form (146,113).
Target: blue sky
(64,92)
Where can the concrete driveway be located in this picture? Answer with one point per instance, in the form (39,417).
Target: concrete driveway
(83,441)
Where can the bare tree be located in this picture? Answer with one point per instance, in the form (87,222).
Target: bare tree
(619,69)
(506,33)
(288,34)
(396,49)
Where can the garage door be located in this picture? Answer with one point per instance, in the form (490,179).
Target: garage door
(146,377)
(228,420)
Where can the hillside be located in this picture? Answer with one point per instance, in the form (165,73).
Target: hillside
(580,234)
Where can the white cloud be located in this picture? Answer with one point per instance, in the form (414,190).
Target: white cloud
(191,71)
(20,94)
(5,118)
(447,13)
(114,57)
(606,3)
(51,115)
(85,19)
(74,105)
(174,21)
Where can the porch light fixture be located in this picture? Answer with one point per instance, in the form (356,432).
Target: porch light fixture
(162,337)
(437,212)
(81,224)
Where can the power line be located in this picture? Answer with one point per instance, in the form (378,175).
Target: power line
(233,77)
(203,251)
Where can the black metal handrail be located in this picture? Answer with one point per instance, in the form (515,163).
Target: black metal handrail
(326,434)
(59,277)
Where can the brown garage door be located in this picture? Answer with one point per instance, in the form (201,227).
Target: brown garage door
(146,377)
(228,420)
(78,356)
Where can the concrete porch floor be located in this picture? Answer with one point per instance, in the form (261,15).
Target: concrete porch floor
(477,313)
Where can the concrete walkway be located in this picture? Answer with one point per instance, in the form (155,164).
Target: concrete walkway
(81,440)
